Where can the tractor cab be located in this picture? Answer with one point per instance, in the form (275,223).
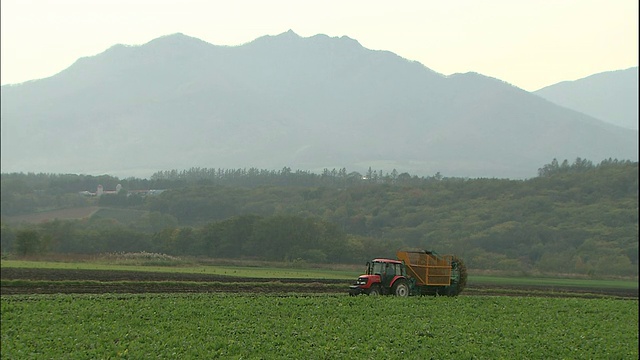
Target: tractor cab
(380,277)
(387,270)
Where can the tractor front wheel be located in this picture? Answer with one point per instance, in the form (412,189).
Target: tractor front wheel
(401,288)
(374,290)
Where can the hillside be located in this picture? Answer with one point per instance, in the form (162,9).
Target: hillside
(573,218)
(609,96)
(52,215)
(308,103)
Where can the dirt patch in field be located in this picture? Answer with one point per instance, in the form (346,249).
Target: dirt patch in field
(52,281)
(546,291)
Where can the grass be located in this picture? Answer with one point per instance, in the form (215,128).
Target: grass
(50,215)
(124,216)
(239,271)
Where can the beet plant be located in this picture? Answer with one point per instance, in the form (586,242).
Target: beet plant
(254,326)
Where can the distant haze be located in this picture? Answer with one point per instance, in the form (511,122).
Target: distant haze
(287,101)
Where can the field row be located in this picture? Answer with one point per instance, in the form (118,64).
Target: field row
(20,280)
(315,326)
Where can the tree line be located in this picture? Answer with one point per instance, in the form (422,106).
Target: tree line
(573,218)
(31,192)
(274,238)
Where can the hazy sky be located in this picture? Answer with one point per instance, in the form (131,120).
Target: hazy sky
(530,44)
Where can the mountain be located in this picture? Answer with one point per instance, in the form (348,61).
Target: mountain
(609,96)
(286,101)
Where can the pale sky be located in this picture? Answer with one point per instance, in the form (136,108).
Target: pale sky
(530,44)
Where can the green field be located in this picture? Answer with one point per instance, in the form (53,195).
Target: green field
(208,326)
(124,216)
(287,324)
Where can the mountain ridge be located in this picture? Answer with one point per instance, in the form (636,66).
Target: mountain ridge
(611,96)
(309,103)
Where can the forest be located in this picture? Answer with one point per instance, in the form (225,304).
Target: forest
(573,218)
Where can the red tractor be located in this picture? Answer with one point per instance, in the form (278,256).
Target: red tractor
(413,273)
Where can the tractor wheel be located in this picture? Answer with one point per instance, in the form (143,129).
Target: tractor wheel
(374,290)
(460,270)
(401,288)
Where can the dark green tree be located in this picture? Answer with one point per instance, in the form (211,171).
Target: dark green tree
(27,242)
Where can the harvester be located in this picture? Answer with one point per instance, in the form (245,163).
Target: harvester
(412,273)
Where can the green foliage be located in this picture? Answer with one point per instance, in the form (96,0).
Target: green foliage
(336,327)
(28,242)
(7,238)
(574,218)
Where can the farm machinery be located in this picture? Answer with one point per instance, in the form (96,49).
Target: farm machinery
(412,273)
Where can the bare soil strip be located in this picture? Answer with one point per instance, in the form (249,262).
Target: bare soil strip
(53,281)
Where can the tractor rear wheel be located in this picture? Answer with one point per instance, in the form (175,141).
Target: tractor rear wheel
(401,288)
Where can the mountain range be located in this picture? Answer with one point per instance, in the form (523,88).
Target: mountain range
(611,96)
(312,103)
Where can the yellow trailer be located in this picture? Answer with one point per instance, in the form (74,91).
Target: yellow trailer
(427,268)
(434,273)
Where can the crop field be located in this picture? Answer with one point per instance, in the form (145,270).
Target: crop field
(148,307)
(139,309)
(321,326)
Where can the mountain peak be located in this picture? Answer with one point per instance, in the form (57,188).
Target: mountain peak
(176,38)
(289,33)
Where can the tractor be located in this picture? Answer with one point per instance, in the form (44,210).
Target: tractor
(412,273)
